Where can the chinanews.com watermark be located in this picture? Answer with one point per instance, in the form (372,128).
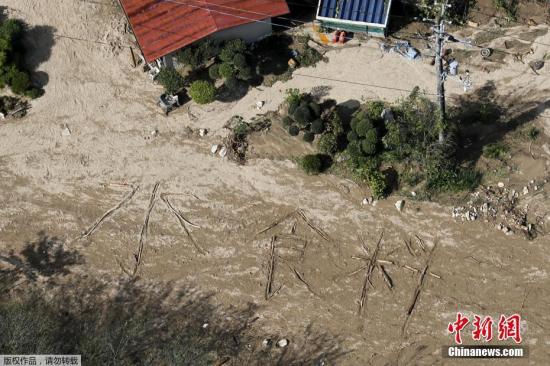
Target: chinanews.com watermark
(481,328)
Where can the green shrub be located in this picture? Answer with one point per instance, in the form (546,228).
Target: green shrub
(214,72)
(245,73)
(370,143)
(302,115)
(362,127)
(293,130)
(374,110)
(335,125)
(533,133)
(308,57)
(352,136)
(242,129)
(367,147)
(293,96)
(190,57)
(171,80)
(20,82)
(239,60)
(452,179)
(315,108)
(232,83)
(226,70)
(202,92)
(328,144)
(287,121)
(317,126)
(231,48)
(312,164)
(34,93)
(377,183)
(495,151)
(309,137)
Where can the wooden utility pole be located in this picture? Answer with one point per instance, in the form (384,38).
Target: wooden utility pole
(440,40)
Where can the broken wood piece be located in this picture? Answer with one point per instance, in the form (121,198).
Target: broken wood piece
(301,279)
(409,248)
(145,229)
(182,222)
(421,243)
(275,223)
(319,231)
(386,276)
(271,268)
(178,213)
(418,289)
(370,268)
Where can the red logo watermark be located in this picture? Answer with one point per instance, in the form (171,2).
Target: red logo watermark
(508,328)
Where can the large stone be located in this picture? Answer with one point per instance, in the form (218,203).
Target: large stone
(399,205)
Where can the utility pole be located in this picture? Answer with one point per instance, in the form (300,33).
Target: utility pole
(439,29)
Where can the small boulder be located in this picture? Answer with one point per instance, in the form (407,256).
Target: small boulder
(203,132)
(65,131)
(500,185)
(525,190)
(399,205)
(282,343)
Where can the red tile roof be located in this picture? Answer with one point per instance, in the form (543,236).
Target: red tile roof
(164,26)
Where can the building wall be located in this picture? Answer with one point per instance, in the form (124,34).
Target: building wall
(249,33)
(377,31)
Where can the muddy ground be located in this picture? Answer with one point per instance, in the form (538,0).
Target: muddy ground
(61,185)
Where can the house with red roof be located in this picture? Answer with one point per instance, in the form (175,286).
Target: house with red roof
(163,27)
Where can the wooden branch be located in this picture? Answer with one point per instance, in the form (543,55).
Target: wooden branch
(107,214)
(182,222)
(271,268)
(370,269)
(275,223)
(319,231)
(145,229)
(418,289)
(301,279)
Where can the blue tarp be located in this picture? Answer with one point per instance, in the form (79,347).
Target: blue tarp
(366,11)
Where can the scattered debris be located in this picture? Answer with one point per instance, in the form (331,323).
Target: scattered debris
(367,200)
(399,205)
(500,205)
(65,131)
(282,343)
(144,230)
(168,103)
(418,289)
(370,268)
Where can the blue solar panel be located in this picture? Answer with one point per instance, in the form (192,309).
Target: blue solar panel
(366,11)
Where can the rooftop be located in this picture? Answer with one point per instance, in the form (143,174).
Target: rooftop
(164,26)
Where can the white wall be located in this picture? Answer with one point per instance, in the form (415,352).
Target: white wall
(247,32)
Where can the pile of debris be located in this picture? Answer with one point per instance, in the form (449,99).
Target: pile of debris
(12,107)
(500,205)
(236,144)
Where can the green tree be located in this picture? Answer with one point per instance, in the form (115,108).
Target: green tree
(312,164)
(171,80)
(202,92)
